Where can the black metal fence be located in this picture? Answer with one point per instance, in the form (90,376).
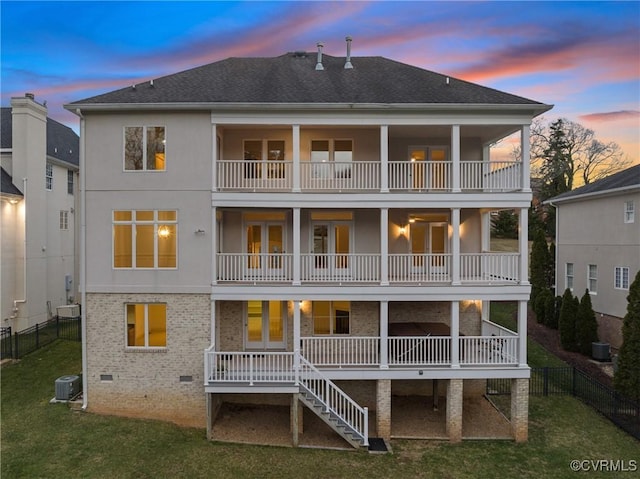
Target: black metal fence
(28,340)
(623,412)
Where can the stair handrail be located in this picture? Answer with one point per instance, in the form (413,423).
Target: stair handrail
(332,397)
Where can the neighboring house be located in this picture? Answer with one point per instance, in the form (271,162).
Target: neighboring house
(303,229)
(598,246)
(39,160)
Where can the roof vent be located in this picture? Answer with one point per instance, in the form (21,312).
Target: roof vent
(348,64)
(319,64)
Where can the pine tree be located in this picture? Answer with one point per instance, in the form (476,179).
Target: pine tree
(567,321)
(505,224)
(550,318)
(539,265)
(586,325)
(627,377)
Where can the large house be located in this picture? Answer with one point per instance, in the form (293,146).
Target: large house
(598,246)
(307,231)
(39,166)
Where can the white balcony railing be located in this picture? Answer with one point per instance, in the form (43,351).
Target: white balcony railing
(490,267)
(340,176)
(419,350)
(341,351)
(259,267)
(488,350)
(404,176)
(419,268)
(490,176)
(249,367)
(255,175)
(420,175)
(344,268)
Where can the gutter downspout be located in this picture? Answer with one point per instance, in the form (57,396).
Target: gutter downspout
(83,261)
(24,260)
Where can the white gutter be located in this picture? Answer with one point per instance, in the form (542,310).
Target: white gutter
(83,261)
(24,259)
(610,192)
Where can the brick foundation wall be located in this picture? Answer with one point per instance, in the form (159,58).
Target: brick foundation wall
(454,410)
(520,409)
(383,408)
(146,383)
(610,329)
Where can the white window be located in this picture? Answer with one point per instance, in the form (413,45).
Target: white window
(629,212)
(49,177)
(264,159)
(144,148)
(592,279)
(569,275)
(146,325)
(331,317)
(331,158)
(621,277)
(145,239)
(70,182)
(64,220)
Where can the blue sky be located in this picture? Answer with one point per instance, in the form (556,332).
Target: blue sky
(583,57)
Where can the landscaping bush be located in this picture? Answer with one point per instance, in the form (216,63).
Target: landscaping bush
(567,321)
(627,377)
(586,325)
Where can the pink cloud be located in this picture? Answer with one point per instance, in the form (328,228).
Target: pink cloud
(612,116)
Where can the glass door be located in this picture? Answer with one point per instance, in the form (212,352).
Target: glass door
(419,246)
(265,247)
(265,325)
(331,248)
(438,246)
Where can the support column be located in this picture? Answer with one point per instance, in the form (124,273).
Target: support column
(384,246)
(454,410)
(296,247)
(214,245)
(455,334)
(525,148)
(296,339)
(383,408)
(213,402)
(522,334)
(523,245)
(384,159)
(455,157)
(296,158)
(384,335)
(214,157)
(455,246)
(520,409)
(296,419)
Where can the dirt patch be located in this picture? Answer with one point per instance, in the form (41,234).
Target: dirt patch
(550,340)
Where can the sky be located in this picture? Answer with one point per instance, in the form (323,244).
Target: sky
(582,57)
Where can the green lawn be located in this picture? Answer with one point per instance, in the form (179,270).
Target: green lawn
(42,440)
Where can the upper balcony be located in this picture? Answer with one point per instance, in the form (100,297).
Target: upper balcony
(366,176)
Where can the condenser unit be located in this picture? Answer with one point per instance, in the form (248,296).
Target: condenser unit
(67,387)
(68,311)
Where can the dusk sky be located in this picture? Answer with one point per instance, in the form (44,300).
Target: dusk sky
(582,57)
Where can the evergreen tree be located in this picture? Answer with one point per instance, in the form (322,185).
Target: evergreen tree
(567,321)
(505,224)
(551,266)
(539,265)
(539,306)
(586,325)
(550,319)
(627,377)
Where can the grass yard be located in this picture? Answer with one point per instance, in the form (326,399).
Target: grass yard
(42,440)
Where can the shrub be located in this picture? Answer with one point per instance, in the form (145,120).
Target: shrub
(627,377)
(567,321)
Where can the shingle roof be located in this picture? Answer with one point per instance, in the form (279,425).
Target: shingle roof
(292,78)
(6,184)
(62,142)
(626,179)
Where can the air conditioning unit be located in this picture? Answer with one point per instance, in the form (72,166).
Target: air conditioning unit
(601,351)
(67,387)
(69,311)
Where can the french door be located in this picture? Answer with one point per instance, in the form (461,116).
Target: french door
(265,325)
(428,239)
(429,167)
(265,248)
(331,248)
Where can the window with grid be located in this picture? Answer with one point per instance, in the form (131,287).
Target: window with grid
(48,177)
(331,317)
(70,182)
(593,279)
(144,148)
(146,325)
(64,220)
(629,212)
(145,239)
(621,278)
(569,276)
